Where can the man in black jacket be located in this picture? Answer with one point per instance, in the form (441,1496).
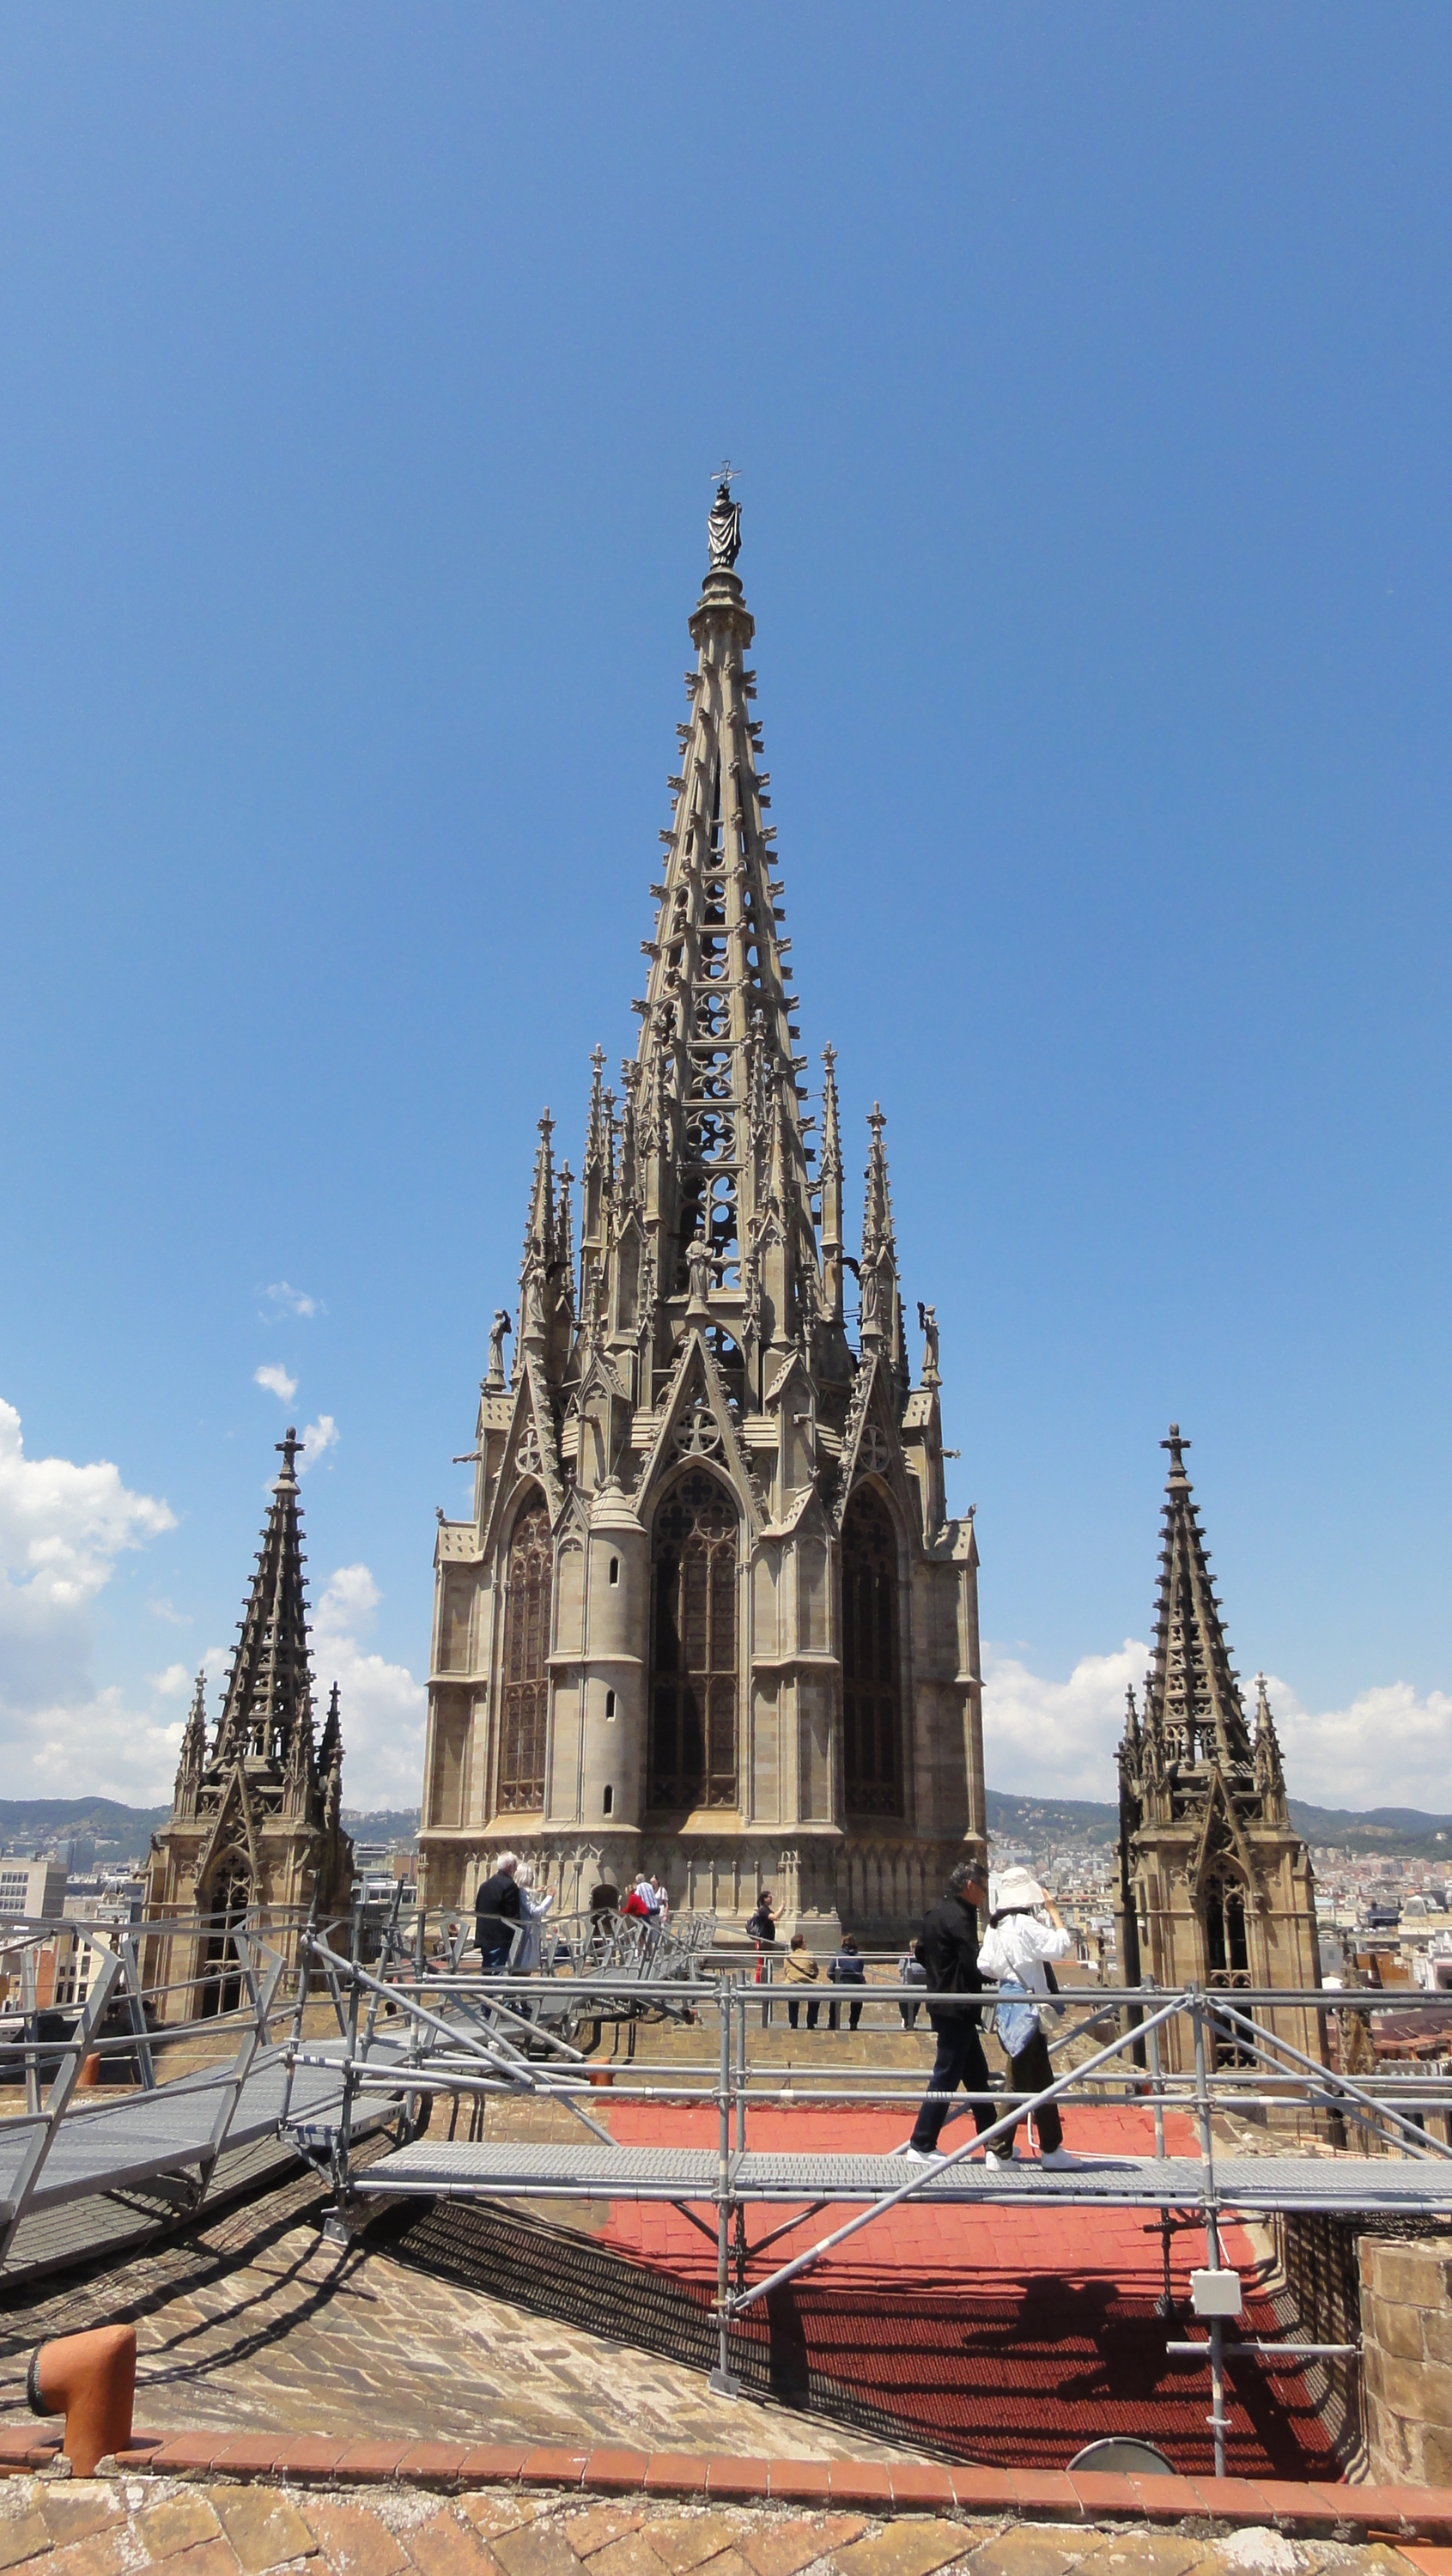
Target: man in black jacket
(950,1954)
(496,1913)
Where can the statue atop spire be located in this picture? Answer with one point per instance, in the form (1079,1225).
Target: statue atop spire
(723,528)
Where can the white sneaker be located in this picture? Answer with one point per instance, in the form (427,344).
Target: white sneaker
(1058,2157)
(919,2155)
(993,2158)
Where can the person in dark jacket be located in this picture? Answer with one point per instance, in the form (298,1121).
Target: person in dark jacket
(849,1968)
(496,1916)
(949,1947)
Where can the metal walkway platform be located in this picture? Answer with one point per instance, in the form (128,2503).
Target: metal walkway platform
(1350,2186)
(132,2139)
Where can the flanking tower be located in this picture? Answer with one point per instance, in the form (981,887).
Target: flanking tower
(255,1822)
(1216,1886)
(709,1616)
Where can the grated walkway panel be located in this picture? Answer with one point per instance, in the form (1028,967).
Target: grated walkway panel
(1349,2185)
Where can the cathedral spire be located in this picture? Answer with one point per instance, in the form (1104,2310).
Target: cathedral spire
(717,1087)
(269,1694)
(1192,1701)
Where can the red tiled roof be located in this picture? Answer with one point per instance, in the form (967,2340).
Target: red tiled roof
(1002,2335)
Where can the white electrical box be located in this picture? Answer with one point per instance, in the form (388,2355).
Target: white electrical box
(1215,2294)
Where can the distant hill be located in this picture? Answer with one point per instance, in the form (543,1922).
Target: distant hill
(119,1833)
(1036,1820)
(382,1824)
(123,1833)
(1397,1832)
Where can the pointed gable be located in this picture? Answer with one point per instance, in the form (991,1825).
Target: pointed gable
(530,1452)
(696,1424)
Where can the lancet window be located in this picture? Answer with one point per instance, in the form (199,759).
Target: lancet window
(694,1666)
(1227,1957)
(220,1989)
(871,1660)
(524,1710)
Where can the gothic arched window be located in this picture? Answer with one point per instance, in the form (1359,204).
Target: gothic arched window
(524,1712)
(1226,1954)
(871,1663)
(693,1675)
(221,1982)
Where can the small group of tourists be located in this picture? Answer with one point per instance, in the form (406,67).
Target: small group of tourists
(647,1902)
(801,1968)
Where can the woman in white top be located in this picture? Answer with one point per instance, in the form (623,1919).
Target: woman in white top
(1014,1950)
(532,1912)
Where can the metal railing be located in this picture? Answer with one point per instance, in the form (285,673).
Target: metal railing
(475,2037)
(135,2079)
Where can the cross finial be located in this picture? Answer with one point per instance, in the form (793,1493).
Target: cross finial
(289,1447)
(1175,1446)
(725,475)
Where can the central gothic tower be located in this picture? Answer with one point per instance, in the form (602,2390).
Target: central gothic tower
(709,1616)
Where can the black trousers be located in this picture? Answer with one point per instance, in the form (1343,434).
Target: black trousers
(854,2012)
(960,2060)
(814,2006)
(1031,2071)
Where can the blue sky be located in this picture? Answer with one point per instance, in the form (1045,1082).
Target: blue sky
(361,373)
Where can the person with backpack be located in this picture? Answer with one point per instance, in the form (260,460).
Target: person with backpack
(1017,1949)
(849,1968)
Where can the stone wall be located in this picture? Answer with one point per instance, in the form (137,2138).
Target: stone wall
(1319,2298)
(1406,2324)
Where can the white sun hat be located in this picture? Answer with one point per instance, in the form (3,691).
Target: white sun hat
(1016,1888)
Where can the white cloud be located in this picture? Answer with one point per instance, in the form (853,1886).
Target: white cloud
(1387,1748)
(382,1705)
(285,1300)
(62,1528)
(161,1608)
(1057,1739)
(171,1683)
(318,1438)
(276,1380)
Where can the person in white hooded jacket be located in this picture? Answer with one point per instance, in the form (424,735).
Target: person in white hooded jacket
(1015,1950)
